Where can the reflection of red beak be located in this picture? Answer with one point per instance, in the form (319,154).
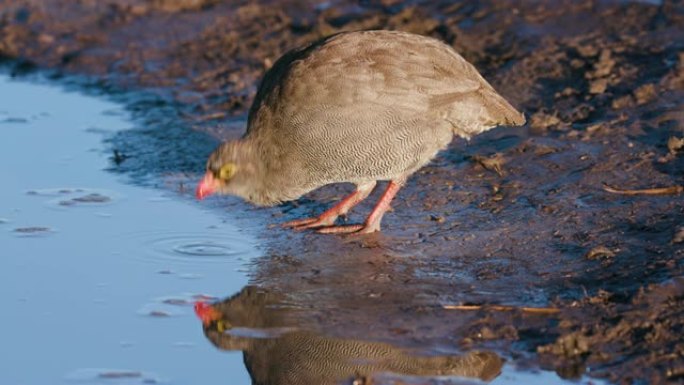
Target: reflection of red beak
(206,312)
(206,186)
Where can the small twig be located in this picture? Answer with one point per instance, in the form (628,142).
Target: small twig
(672,190)
(536,310)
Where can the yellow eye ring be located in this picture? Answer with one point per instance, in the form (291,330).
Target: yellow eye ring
(227,171)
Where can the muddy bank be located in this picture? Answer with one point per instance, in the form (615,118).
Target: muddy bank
(519,217)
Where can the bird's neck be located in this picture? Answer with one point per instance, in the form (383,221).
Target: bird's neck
(262,172)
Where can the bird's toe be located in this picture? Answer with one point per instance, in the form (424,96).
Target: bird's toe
(298,222)
(309,223)
(345,229)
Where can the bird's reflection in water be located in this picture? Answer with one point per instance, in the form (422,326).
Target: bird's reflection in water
(255,322)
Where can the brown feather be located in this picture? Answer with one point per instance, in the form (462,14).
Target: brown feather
(359,107)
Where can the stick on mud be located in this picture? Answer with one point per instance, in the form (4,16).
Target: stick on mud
(536,310)
(672,190)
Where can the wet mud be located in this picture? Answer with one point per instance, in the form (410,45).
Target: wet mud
(580,211)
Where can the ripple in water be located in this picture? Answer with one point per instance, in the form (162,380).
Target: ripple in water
(212,246)
(203,249)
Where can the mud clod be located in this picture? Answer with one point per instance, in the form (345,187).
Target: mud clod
(600,252)
(679,235)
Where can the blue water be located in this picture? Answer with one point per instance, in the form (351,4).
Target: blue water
(87,261)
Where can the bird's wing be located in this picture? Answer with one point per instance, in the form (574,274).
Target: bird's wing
(401,74)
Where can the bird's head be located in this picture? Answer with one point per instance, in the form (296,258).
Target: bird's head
(230,170)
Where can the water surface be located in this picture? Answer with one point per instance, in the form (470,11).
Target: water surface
(98,276)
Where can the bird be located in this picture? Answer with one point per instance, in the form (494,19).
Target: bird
(357,107)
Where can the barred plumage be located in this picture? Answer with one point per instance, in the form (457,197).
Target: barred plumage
(357,107)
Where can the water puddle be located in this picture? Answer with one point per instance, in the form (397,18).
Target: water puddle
(102,280)
(97,273)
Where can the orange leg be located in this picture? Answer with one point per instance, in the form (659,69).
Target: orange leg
(329,217)
(372,223)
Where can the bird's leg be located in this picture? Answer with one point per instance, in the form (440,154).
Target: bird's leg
(329,217)
(372,223)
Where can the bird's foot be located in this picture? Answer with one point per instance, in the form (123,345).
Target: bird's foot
(348,229)
(310,223)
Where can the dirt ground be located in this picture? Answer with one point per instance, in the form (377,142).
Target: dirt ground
(516,217)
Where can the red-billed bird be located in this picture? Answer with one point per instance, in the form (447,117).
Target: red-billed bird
(356,107)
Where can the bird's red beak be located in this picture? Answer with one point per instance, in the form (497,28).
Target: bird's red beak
(206,186)
(206,312)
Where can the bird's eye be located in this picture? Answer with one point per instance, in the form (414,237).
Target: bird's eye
(227,171)
(222,326)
